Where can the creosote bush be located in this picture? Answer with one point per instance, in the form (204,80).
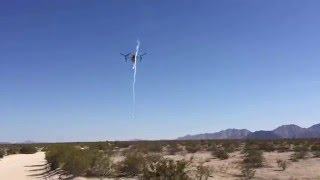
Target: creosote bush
(2,153)
(282,164)
(220,154)
(28,149)
(300,152)
(193,147)
(132,165)
(316,154)
(173,148)
(13,150)
(203,172)
(166,169)
(78,161)
(253,158)
(248,172)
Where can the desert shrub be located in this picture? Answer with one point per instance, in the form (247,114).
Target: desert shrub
(102,146)
(172,149)
(2,153)
(122,144)
(57,155)
(283,148)
(266,146)
(132,165)
(247,172)
(300,148)
(27,149)
(77,163)
(72,160)
(154,147)
(13,150)
(316,154)
(282,164)
(253,158)
(230,146)
(212,146)
(298,155)
(250,145)
(103,167)
(315,147)
(192,148)
(166,169)
(100,164)
(203,172)
(221,154)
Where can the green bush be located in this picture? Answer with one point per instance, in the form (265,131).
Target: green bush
(230,146)
(253,158)
(247,172)
(315,147)
(192,149)
(154,147)
(203,172)
(69,158)
(77,163)
(316,154)
(298,155)
(172,149)
(266,146)
(13,150)
(283,148)
(221,154)
(2,153)
(101,166)
(299,152)
(166,169)
(28,149)
(132,165)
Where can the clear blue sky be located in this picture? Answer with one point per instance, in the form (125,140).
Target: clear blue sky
(211,65)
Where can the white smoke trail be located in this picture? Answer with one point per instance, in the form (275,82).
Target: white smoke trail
(134,76)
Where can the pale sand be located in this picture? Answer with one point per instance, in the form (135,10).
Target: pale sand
(22,166)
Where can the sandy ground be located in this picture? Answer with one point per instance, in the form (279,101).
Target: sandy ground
(21,166)
(32,167)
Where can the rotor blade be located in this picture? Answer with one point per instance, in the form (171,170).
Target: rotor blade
(143,54)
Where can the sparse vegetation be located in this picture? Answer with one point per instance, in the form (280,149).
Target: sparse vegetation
(144,159)
(316,154)
(220,154)
(28,149)
(253,158)
(192,149)
(247,172)
(2,153)
(173,148)
(282,164)
(166,169)
(132,165)
(203,172)
(300,152)
(13,150)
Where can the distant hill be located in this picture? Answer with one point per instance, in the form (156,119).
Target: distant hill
(284,131)
(290,131)
(315,128)
(225,134)
(263,135)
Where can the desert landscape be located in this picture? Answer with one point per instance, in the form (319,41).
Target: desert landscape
(160,90)
(189,159)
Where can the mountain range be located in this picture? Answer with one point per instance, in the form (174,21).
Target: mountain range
(281,132)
